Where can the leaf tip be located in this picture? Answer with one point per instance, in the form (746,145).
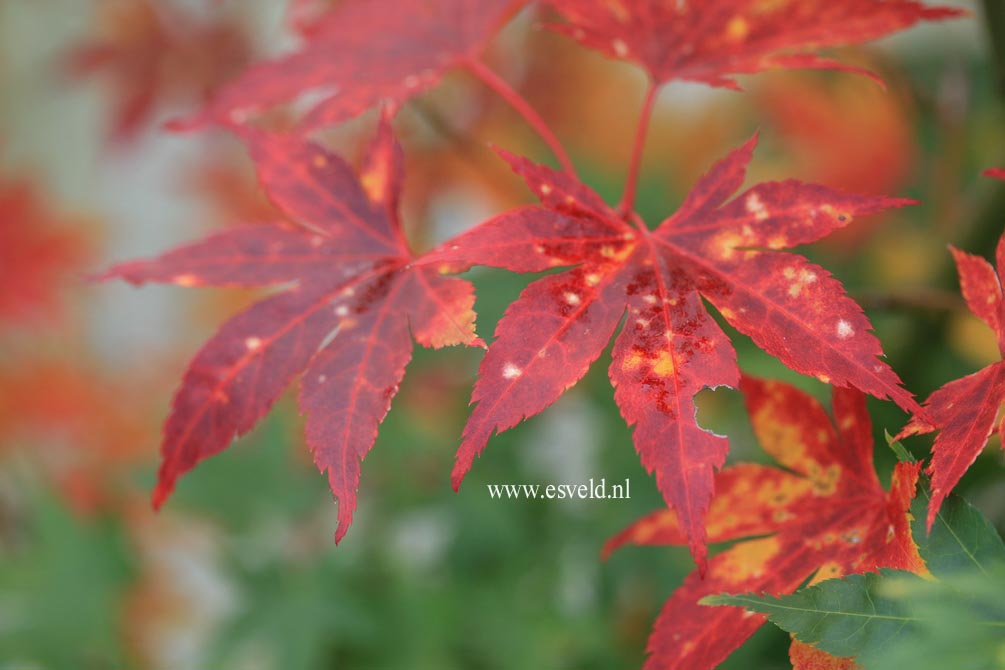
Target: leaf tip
(457,475)
(161,493)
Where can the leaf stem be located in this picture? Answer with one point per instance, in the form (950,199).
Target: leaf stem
(632,181)
(522,107)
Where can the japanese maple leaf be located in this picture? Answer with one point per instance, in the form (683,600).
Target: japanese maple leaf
(154,53)
(708,41)
(824,514)
(964,410)
(359,53)
(669,348)
(353,292)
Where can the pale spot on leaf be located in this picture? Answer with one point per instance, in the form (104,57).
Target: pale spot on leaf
(844,329)
(755,207)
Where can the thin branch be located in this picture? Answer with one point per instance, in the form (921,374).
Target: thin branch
(522,107)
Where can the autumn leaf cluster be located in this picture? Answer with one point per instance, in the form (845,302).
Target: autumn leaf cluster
(351,294)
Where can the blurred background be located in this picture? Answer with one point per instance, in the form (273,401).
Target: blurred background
(239,570)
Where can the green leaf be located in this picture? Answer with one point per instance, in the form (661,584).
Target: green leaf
(892,619)
(960,623)
(962,539)
(840,616)
(899,450)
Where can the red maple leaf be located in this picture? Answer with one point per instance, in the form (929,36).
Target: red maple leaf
(711,40)
(154,52)
(822,516)
(353,292)
(670,348)
(359,53)
(964,410)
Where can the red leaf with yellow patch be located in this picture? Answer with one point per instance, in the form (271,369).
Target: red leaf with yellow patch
(669,348)
(359,53)
(964,410)
(823,514)
(711,40)
(353,292)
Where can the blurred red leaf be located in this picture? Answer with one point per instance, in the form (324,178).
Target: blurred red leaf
(843,133)
(822,515)
(38,252)
(229,186)
(712,40)
(670,348)
(359,53)
(154,53)
(353,292)
(72,420)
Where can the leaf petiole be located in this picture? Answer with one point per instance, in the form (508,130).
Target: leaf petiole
(512,97)
(632,180)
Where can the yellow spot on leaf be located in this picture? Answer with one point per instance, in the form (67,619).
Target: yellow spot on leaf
(632,361)
(747,561)
(374,184)
(725,243)
(825,480)
(664,365)
(828,570)
(185,280)
(738,28)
